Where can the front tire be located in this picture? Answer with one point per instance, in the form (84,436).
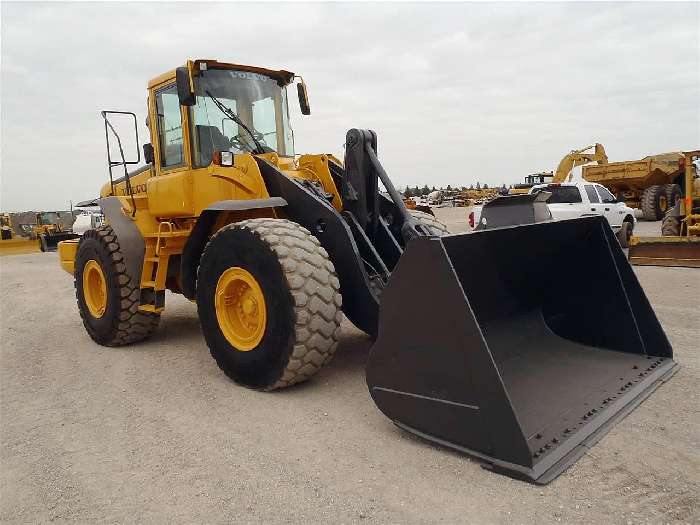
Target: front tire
(269,303)
(108,301)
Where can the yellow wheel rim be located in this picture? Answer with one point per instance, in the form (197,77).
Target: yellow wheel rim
(95,288)
(240,309)
(663,203)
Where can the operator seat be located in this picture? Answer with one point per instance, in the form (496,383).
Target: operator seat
(210,140)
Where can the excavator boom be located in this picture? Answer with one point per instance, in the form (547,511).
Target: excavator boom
(579,157)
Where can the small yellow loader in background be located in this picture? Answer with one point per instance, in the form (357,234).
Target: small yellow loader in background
(679,244)
(274,247)
(49,232)
(10,242)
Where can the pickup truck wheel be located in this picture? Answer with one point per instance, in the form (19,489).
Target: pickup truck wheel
(654,203)
(624,234)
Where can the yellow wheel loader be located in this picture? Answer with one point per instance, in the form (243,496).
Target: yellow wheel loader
(10,243)
(49,232)
(513,363)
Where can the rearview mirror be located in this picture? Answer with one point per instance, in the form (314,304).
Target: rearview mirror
(303,99)
(184,91)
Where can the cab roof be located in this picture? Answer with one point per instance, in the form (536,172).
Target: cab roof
(280,75)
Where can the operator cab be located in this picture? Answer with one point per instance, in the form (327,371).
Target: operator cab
(204,113)
(234,109)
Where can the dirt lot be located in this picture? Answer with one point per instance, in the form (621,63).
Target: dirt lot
(156,433)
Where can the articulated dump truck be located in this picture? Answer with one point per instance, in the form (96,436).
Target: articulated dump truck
(652,184)
(513,364)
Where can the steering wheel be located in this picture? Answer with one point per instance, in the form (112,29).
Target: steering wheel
(239,143)
(243,142)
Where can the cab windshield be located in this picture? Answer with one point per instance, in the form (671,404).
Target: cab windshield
(258,101)
(48,217)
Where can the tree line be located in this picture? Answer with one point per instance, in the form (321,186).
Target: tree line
(425,190)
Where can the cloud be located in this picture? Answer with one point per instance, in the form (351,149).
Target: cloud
(457,92)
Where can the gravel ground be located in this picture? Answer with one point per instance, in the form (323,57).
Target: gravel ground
(155,432)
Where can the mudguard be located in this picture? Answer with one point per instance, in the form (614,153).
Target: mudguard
(202,230)
(131,242)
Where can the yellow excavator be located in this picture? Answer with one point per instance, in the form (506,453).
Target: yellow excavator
(574,158)
(274,247)
(579,157)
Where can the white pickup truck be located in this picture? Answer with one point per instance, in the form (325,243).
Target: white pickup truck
(570,200)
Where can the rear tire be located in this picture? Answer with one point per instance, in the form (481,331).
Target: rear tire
(121,323)
(624,234)
(671,225)
(435,226)
(42,243)
(654,203)
(298,290)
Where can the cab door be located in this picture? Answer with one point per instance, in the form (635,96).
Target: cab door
(594,204)
(169,192)
(612,210)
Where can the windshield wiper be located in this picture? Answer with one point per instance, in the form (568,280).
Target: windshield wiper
(230,114)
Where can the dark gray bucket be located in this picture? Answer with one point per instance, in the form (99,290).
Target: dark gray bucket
(520,345)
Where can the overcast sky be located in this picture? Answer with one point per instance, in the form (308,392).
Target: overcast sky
(457,93)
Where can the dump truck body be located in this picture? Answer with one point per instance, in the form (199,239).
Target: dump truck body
(646,184)
(272,247)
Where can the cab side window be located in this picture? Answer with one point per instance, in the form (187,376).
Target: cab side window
(169,127)
(592,195)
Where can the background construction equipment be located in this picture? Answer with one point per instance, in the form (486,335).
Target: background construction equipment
(273,248)
(10,242)
(650,184)
(574,158)
(49,232)
(679,244)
